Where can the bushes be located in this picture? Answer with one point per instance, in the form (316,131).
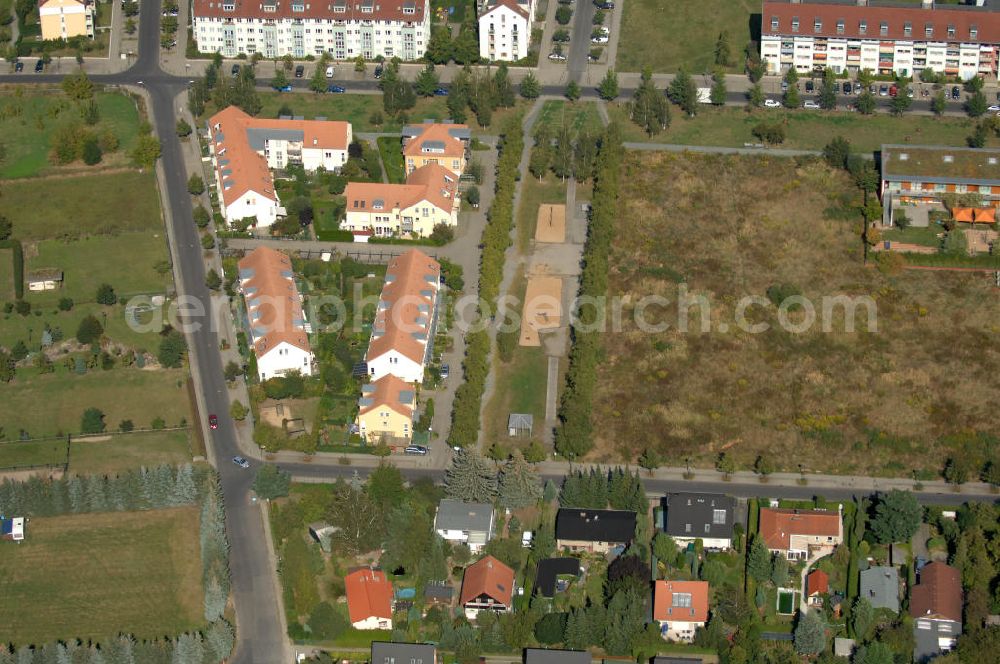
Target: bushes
(172,347)
(18,276)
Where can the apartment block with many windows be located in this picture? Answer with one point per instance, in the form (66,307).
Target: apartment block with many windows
(505,29)
(63,19)
(883,36)
(344,29)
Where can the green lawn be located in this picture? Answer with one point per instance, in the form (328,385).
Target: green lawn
(50,404)
(44,453)
(926,236)
(84,205)
(6,274)
(94,576)
(27,122)
(29,328)
(126,451)
(391,150)
(581,116)
(533,193)
(85,265)
(669,35)
(805,130)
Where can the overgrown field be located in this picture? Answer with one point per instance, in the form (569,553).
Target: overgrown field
(894,401)
(93,576)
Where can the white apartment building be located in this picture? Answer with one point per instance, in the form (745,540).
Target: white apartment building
(881,36)
(244,149)
(63,19)
(343,29)
(505,29)
(429,197)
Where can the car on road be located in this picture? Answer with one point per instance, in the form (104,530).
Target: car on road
(213,421)
(847,87)
(39,66)
(440,92)
(300,71)
(810,86)
(599,39)
(445,371)
(18,66)
(809,103)
(336,89)
(955,92)
(235,71)
(604,5)
(329,71)
(883,90)
(557,56)
(993,107)
(415,449)
(285,88)
(772,103)
(241,462)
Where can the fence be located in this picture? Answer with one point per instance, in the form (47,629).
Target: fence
(69,438)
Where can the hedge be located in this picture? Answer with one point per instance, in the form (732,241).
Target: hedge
(496,238)
(15,246)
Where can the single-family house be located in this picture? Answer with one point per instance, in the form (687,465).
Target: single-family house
(594,531)
(936,608)
(64,19)
(799,534)
(403,653)
(439,593)
(385,410)
(553,656)
(437,143)
(428,199)
(817,585)
(681,607)
(405,323)
(705,516)
(488,585)
(880,586)
(505,29)
(275,318)
(12,528)
(465,523)
(44,279)
(549,571)
(244,148)
(369,599)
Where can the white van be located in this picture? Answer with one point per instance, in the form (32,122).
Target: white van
(329,71)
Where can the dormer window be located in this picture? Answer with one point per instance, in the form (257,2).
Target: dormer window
(863,27)
(795,24)
(951,31)
(774,24)
(973,31)
(840,26)
(883,28)
(409,10)
(378,204)
(298,7)
(270,8)
(928,29)
(229,6)
(907,29)
(818,25)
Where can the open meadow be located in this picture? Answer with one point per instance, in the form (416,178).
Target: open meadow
(893,400)
(93,576)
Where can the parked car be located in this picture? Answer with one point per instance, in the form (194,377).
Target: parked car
(810,86)
(556,56)
(337,89)
(39,66)
(772,103)
(378,70)
(604,4)
(445,371)
(329,71)
(415,449)
(213,421)
(18,66)
(893,90)
(993,107)
(235,71)
(784,86)
(241,462)
(955,92)
(300,71)
(909,92)
(599,39)
(440,92)
(809,103)
(883,90)
(857,88)
(285,88)
(847,87)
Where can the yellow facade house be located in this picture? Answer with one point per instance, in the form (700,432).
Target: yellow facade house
(386,411)
(436,143)
(62,19)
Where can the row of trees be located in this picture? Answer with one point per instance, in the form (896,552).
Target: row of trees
(496,239)
(573,434)
(596,489)
(512,484)
(224,91)
(566,152)
(480,92)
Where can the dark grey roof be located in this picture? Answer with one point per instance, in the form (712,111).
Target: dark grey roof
(543,656)
(461,133)
(699,515)
(549,569)
(432,145)
(665,659)
(926,634)
(520,421)
(456,515)
(437,590)
(257,136)
(402,653)
(574,523)
(880,586)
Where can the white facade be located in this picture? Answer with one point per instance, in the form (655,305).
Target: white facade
(712,543)
(505,30)
(342,29)
(284,359)
(263,209)
(395,363)
(676,630)
(280,152)
(373,622)
(418,219)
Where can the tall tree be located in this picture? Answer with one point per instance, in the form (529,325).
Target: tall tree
(503,89)
(755,96)
(862,618)
(519,483)
(683,92)
(608,89)
(865,103)
(385,487)
(758,560)
(828,90)
(897,517)
(791,96)
(649,107)
(471,478)
(465,49)
(427,82)
(717,94)
(358,521)
(530,87)
(271,482)
(439,47)
(723,56)
(901,102)
(810,634)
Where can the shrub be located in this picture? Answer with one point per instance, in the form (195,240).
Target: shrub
(563,15)
(92,421)
(125,426)
(106,294)
(772,133)
(89,330)
(22,307)
(65,303)
(207,241)
(172,347)
(196,186)
(201,216)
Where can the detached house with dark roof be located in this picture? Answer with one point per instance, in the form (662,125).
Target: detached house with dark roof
(550,656)
(403,653)
(705,516)
(594,531)
(488,585)
(465,523)
(936,608)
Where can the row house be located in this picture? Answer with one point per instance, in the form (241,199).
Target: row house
(385,410)
(244,149)
(919,177)
(438,143)
(343,29)
(881,36)
(428,199)
(505,29)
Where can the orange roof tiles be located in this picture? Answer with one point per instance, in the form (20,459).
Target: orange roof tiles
(406,11)
(248,168)
(369,594)
(488,576)
(778,525)
(438,131)
(817,583)
(986,215)
(432,183)
(272,300)
(388,391)
(683,601)
(939,593)
(406,306)
(962,214)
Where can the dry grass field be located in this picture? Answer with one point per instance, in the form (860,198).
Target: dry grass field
(895,401)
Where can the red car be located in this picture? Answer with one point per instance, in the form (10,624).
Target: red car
(213,421)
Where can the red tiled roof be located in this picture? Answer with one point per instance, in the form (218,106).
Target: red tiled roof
(666,606)
(986,22)
(351,10)
(488,576)
(509,4)
(939,593)
(406,276)
(778,525)
(433,183)
(369,595)
(386,393)
(280,308)
(817,582)
(436,131)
